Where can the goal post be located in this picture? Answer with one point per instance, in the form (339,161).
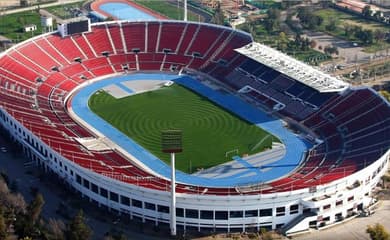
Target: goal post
(231,153)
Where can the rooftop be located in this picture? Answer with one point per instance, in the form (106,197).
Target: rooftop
(292,68)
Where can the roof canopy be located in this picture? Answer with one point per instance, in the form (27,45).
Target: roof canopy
(292,68)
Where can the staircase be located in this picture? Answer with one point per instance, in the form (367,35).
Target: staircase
(218,50)
(295,221)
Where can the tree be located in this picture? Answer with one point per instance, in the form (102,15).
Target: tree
(308,19)
(266,235)
(57,228)
(26,238)
(35,208)
(3,188)
(270,24)
(331,26)
(330,49)
(313,43)
(377,232)
(219,17)
(367,12)
(10,200)
(273,13)
(366,36)
(118,236)
(282,41)
(286,4)
(3,226)
(27,224)
(272,21)
(348,30)
(378,15)
(23,227)
(304,14)
(379,35)
(77,229)
(325,3)
(16,202)
(23,3)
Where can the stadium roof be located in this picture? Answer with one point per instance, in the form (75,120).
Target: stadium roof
(292,68)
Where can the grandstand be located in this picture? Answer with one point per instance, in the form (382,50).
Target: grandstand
(347,127)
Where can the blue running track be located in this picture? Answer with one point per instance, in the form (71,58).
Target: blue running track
(295,146)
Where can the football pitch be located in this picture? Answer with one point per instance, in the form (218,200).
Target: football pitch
(211,135)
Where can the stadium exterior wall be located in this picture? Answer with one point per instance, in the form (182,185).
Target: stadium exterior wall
(323,205)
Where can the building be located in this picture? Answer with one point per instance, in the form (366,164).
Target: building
(356,6)
(30,28)
(344,128)
(382,3)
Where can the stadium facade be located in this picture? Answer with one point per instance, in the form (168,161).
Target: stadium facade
(347,126)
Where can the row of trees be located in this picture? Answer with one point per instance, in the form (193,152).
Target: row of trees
(302,44)
(366,36)
(331,50)
(312,21)
(308,19)
(24,220)
(298,44)
(272,22)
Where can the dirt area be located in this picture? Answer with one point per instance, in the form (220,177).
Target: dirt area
(9,3)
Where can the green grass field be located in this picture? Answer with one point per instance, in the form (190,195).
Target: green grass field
(11,26)
(208,130)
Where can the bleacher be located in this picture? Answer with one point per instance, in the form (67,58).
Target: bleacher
(299,101)
(352,124)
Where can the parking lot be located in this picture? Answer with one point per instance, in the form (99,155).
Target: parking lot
(350,51)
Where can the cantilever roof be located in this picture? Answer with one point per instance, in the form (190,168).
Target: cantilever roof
(292,68)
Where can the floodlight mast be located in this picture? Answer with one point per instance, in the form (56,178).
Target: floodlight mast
(173,195)
(185,10)
(171,142)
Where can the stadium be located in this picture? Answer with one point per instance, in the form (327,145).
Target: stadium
(329,140)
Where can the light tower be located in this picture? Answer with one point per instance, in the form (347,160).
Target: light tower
(171,142)
(185,10)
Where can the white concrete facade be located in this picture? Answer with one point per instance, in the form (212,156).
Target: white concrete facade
(329,203)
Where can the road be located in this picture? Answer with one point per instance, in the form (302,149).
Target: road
(60,2)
